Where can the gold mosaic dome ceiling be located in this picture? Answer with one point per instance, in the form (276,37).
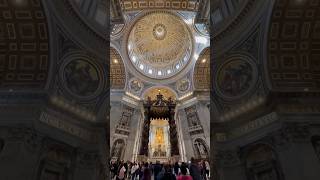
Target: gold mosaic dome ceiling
(159,44)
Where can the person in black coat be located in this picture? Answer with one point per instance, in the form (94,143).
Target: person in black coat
(168,175)
(176,168)
(194,170)
(156,170)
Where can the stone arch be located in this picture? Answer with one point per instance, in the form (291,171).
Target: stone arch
(201,148)
(292,46)
(261,160)
(117,70)
(118,148)
(201,76)
(24,49)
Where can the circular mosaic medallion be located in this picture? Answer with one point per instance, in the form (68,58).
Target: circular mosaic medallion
(183,85)
(135,85)
(81,77)
(159,44)
(236,77)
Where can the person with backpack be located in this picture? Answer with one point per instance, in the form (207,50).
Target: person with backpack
(168,175)
(176,169)
(183,175)
(195,170)
(146,172)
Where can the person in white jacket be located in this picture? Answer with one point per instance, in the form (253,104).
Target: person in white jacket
(133,171)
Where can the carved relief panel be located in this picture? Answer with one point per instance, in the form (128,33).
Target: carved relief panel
(126,116)
(192,116)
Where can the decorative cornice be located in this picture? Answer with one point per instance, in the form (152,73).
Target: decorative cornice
(72,129)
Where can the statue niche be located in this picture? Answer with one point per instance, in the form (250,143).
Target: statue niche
(117,149)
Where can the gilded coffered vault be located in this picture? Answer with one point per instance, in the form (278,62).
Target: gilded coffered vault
(24,33)
(117,70)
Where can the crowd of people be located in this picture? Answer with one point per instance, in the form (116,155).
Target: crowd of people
(193,170)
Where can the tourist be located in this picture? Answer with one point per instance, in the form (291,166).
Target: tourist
(168,175)
(156,170)
(176,169)
(122,171)
(134,169)
(146,172)
(207,169)
(194,170)
(140,170)
(184,171)
(203,169)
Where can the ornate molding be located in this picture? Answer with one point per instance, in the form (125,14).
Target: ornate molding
(62,124)
(135,5)
(253,125)
(227,158)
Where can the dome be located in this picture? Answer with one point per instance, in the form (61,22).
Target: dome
(159,44)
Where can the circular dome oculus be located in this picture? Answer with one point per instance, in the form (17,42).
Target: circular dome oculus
(159,44)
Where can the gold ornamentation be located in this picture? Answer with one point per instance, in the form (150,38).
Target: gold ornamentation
(159,44)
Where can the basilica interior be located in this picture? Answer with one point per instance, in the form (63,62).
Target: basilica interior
(87,82)
(160,81)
